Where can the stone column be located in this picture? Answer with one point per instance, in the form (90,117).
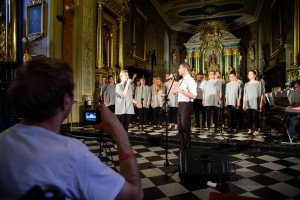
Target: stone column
(227,55)
(100,35)
(190,59)
(197,55)
(121,21)
(235,58)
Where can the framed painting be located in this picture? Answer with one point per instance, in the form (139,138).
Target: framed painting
(35,19)
(275,31)
(139,36)
(212,58)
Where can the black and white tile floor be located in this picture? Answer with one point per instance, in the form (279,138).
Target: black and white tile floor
(265,175)
(258,170)
(197,133)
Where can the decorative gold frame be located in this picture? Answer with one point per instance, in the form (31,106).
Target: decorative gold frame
(35,19)
(139,34)
(276,28)
(205,61)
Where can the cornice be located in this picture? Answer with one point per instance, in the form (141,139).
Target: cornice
(116,8)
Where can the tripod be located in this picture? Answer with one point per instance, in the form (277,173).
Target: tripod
(165,105)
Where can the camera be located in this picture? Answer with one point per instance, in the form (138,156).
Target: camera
(91,117)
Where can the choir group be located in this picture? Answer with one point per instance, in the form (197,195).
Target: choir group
(215,101)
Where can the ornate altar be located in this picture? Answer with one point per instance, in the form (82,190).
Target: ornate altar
(213,48)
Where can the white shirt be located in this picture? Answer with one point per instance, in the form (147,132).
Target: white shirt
(187,84)
(44,157)
(200,88)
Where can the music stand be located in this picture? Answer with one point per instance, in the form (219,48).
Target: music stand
(165,105)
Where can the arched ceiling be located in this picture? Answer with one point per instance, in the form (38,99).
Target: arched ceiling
(186,15)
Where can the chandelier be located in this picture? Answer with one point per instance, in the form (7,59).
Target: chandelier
(210,29)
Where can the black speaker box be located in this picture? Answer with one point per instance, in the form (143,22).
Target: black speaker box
(204,165)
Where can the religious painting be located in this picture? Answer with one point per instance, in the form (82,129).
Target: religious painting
(212,59)
(35,18)
(275,31)
(139,36)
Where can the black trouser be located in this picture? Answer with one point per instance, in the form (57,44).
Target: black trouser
(215,110)
(150,115)
(198,107)
(172,115)
(240,114)
(221,119)
(232,116)
(253,117)
(184,124)
(156,116)
(143,112)
(125,120)
(111,108)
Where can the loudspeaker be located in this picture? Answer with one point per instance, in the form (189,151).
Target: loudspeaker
(204,165)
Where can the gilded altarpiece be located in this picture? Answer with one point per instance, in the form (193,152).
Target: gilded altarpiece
(110,21)
(214,52)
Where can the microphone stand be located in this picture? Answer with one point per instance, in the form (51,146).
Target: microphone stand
(142,110)
(165,105)
(101,139)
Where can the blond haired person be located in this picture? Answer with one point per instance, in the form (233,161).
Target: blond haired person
(124,99)
(158,92)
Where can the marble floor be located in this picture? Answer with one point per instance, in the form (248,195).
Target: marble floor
(265,166)
(265,175)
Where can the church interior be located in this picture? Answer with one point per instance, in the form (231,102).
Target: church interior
(151,38)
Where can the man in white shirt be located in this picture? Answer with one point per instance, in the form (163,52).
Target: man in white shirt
(187,92)
(43,156)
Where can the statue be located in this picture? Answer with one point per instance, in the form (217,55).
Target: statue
(213,59)
(240,59)
(26,57)
(251,53)
(213,63)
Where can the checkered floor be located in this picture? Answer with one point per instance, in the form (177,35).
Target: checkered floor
(259,174)
(197,133)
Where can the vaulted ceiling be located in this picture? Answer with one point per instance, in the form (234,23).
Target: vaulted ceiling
(186,15)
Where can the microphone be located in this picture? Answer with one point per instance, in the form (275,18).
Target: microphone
(174,76)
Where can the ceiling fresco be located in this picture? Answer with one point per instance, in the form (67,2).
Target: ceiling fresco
(186,15)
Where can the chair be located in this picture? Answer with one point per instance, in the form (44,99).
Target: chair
(46,192)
